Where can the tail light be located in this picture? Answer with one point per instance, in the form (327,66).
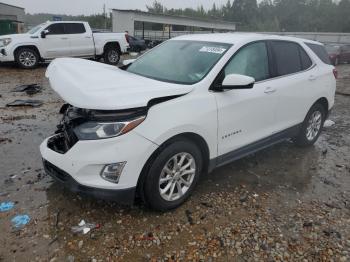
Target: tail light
(335,73)
(127,38)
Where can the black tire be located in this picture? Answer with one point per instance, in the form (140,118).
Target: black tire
(27,58)
(111,55)
(151,187)
(302,139)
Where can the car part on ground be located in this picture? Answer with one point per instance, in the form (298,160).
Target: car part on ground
(30,89)
(28,102)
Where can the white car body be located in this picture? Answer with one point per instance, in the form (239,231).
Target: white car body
(228,122)
(84,45)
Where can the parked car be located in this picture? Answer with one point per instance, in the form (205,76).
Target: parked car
(136,44)
(338,54)
(61,39)
(192,104)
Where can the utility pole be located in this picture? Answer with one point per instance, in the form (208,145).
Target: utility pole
(104,16)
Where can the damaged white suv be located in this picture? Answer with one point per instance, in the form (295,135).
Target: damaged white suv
(189,105)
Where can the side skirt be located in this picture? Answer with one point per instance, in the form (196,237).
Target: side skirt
(254,147)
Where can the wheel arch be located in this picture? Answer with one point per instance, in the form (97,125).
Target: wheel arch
(325,104)
(33,47)
(197,139)
(112,44)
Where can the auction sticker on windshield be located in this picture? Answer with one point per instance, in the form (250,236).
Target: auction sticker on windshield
(210,49)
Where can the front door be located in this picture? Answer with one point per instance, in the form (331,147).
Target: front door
(56,43)
(246,115)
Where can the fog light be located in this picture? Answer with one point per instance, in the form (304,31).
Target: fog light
(112,172)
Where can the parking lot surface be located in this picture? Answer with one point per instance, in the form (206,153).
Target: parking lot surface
(280,204)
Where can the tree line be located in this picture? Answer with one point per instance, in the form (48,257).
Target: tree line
(273,15)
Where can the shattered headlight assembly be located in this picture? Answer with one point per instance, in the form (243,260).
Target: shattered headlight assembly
(5,41)
(99,130)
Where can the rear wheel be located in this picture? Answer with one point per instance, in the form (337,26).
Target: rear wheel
(112,55)
(312,126)
(173,175)
(27,58)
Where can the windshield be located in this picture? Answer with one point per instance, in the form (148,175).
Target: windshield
(175,61)
(35,29)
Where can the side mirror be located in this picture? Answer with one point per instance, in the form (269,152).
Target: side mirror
(44,33)
(235,81)
(128,62)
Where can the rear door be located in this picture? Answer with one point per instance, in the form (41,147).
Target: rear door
(296,78)
(56,43)
(80,39)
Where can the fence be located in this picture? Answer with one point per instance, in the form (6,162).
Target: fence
(338,38)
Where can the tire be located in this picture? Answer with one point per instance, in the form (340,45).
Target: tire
(312,126)
(111,55)
(27,58)
(192,160)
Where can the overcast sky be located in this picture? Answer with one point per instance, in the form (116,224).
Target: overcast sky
(75,7)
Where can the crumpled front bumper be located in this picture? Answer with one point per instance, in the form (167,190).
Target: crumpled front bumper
(122,196)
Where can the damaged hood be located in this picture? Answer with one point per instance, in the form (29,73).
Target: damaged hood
(91,85)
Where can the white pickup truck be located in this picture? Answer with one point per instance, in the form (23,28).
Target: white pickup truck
(61,39)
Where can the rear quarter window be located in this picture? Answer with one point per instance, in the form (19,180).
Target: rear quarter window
(321,52)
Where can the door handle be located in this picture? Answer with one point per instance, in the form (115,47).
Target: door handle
(64,38)
(88,37)
(312,77)
(269,90)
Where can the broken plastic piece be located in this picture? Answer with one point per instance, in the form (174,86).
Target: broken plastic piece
(328,123)
(29,102)
(20,221)
(29,89)
(6,206)
(84,227)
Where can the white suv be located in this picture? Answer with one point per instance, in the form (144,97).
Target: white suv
(196,102)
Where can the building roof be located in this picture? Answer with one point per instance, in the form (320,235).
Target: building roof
(1,3)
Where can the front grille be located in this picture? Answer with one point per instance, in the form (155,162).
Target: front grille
(55,172)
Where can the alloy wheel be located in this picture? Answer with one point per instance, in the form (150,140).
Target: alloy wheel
(314,125)
(27,59)
(177,176)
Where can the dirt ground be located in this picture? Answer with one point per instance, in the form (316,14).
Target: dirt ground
(281,204)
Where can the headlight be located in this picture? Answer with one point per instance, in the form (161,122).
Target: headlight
(5,41)
(96,130)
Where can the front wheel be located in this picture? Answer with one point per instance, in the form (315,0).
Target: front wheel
(27,58)
(173,175)
(312,126)
(111,56)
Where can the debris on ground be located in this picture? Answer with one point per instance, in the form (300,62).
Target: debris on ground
(84,227)
(20,221)
(6,206)
(5,140)
(30,89)
(29,102)
(328,123)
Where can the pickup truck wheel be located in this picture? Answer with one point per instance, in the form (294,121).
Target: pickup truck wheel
(27,58)
(111,56)
(312,126)
(173,175)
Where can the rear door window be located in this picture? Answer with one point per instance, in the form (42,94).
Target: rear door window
(74,28)
(305,59)
(321,52)
(287,57)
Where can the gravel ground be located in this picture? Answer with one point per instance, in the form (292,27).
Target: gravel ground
(280,204)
